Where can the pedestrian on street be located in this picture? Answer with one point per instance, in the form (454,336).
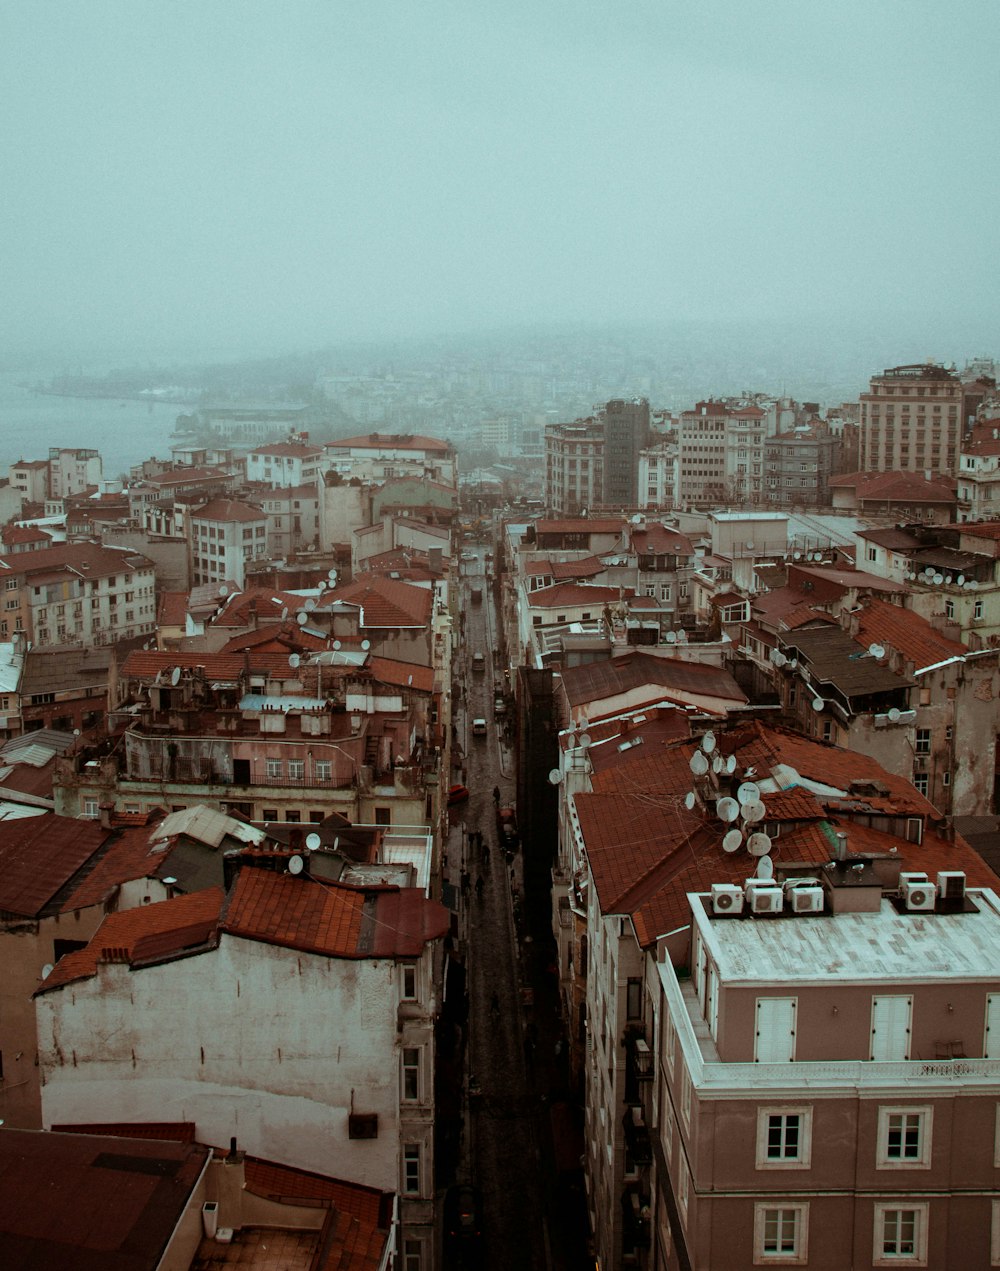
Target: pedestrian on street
(466,882)
(486,850)
(496,795)
(479,887)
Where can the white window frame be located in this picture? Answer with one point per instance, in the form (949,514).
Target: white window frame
(411,1155)
(405,1068)
(918,1258)
(797,1257)
(686,1098)
(296,769)
(803,1158)
(924,1114)
(91,809)
(324,770)
(273,768)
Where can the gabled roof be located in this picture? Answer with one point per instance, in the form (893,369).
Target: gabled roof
(151,933)
(906,631)
(894,539)
(661,540)
(897,487)
(92,1203)
(588,567)
(403,674)
(39,855)
(173,608)
(289,449)
(595,681)
(386,602)
(228,510)
(561,594)
(89,559)
(835,658)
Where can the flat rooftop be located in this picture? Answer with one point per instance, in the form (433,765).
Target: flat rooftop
(858,947)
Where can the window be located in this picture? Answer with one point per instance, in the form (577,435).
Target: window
(411,1074)
(784,1138)
(633,999)
(413,1255)
(780,1234)
(324,769)
(411,1169)
(409,977)
(296,769)
(90,808)
(686,1098)
(904,1138)
(273,768)
(949,608)
(921,783)
(900,1235)
(923,745)
(977,610)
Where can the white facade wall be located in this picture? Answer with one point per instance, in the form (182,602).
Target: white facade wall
(252,1041)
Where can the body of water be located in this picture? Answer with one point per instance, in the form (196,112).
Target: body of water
(125,432)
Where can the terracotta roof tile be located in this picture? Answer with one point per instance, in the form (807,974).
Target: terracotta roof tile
(39,855)
(386,602)
(186,918)
(227,510)
(906,631)
(564,594)
(172,609)
(297,912)
(127,858)
(404,674)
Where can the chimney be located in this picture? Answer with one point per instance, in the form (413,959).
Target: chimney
(105,810)
(840,851)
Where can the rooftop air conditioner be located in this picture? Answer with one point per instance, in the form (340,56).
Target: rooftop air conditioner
(726,899)
(910,876)
(919,897)
(951,884)
(806,900)
(765,899)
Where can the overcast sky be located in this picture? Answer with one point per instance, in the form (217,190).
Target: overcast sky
(285,174)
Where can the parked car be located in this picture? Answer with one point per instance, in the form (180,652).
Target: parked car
(507,828)
(477,595)
(457,794)
(463,1217)
(479,727)
(478,663)
(499,705)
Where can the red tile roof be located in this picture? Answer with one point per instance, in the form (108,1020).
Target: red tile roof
(659,540)
(143,664)
(173,608)
(390,441)
(228,510)
(906,631)
(588,567)
(566,594)
(404,674)
(152,931)
(90,559)
(297,912)
(386,603)
(290,449)
(897,487)
(126,859)
(669,676)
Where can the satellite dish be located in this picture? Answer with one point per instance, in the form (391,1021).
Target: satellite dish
(555,776)
(718,763)
(708,743)
(689,800)
(366,645)
(295,864)
(321,586)
(727,809)
(818,704)
(336,644)
(817,555)
(759,845)
(778,658)
(753,812)
(313,841)
(331,574)
(731,764)
(223,590)
(682,636)
(175,676)
(877,651)
(948,580)
(671,637)
(698,764)
(796,555)
(585,740)
(938,579)
(765,867)
(310,605)
(893,714)
(731,840)
(284,613)
(972,585)
(960,580)
(293,660)
(748,792)
(47,970)
(302,617)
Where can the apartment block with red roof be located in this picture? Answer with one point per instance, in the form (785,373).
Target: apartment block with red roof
(979,472)
(897,494)
(292,518)
(293,1014)
(77,593)
(643,826)
(224,535)
(374,457)
(72,471)
(286,464)
(30,477)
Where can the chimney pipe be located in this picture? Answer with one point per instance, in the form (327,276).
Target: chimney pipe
(840,851)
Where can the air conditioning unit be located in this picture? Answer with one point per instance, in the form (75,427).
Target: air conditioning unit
(910,876)
(765,900)
(726,899)
(919,897)
(951,884)
(806,900)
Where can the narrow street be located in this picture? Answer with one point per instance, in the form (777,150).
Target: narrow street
(511,1062)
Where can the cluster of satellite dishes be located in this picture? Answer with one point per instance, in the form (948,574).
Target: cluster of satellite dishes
(934,578)
(807,556)
(676,637)
(747,807)
(780,659)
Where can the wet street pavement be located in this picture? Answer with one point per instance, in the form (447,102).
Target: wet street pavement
(512,1122)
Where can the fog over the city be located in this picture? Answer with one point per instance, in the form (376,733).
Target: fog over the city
(244,177)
